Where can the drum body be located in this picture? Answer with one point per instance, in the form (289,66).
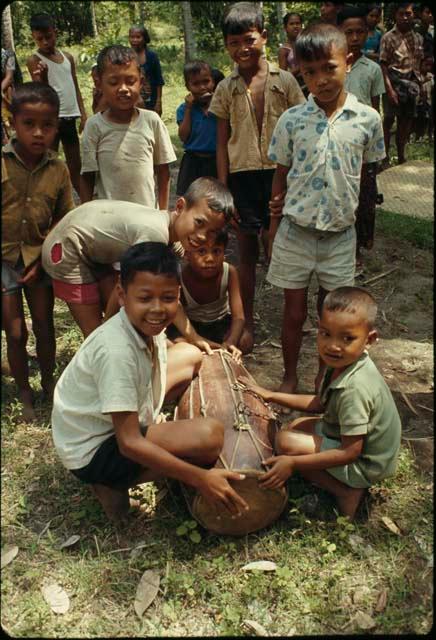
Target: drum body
(249,431)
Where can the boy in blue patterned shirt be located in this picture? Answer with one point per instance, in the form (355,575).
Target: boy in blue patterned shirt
(319,148)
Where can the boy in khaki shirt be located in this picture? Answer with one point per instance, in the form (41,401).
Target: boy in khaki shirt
(36,193)
(248,104)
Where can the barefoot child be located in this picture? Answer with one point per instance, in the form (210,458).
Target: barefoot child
(319,148)
(108,399)
(211,296)
(124,145)
(36,193)
(80,251)
(356,441)
(197,127)
(248,104)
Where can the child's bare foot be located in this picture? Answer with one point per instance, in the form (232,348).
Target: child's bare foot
(246,342)
(26,399)
(289,385)
(48,389)
(115,503)
(349,502)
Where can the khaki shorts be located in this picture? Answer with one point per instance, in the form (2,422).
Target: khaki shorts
(298,252)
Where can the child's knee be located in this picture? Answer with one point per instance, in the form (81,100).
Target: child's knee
(43,330)
(286,442)
(16,334)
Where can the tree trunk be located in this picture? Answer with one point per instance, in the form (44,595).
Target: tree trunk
(132,13)
(188,32)
(281,12)
(93,21)
(7,30)
(143,12)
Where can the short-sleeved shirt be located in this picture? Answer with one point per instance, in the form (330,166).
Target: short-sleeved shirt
(124,155)
(359,402)
(31,202)
(152,75)
(231,101)
(401,52)
(325,158)
(372,44)
(98,233)
(365,80)
(114,370)
(203,129)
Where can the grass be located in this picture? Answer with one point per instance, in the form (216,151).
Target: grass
(417,231)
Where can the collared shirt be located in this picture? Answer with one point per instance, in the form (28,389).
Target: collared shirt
(203,129)
(365,80)
(402,52)
(31,201)
(325,158)
(247,149)
(114,370)
(359,402)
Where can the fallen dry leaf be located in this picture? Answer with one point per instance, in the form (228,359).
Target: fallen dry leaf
(260,565)
(275,344)
(146,591)
(8,554)
(389,524)
(71,540)
(382,601)
(364,621)
(254,626)
(56,597)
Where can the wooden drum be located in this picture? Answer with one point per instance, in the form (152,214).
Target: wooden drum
(249,431)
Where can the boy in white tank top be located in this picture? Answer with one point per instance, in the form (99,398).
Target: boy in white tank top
(56,68)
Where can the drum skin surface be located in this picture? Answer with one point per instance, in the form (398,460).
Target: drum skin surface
(249,431)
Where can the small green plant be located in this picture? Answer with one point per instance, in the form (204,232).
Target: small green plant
(189,528)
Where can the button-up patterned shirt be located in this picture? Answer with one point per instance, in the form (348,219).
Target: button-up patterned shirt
(402,52)
(325,158)
(31,202)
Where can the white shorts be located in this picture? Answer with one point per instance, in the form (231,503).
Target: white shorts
(298,252)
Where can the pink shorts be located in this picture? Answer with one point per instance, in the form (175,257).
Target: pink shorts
(76,293)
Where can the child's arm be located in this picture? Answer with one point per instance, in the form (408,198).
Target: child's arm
(375,103)
(182,323)
(163,185)
(213,484)
(158,105)
(87,182)
(222,155)
(278,191)
(236,309)
(38,69)
(297,401)
(78,94)
(283,58)
(186,124)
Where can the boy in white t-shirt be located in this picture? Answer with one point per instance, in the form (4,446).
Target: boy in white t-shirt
(108,399)
(123,145)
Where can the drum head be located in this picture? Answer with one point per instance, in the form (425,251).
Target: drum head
(265,506)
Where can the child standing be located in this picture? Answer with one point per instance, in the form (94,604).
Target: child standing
(211,295)
(356,441)
(36,193)
(248,104)
(365,81)
(293,25)
(197,127)
(151,74)
(319,148)
(371,48)
(107,401)
(57,68)
(122,146)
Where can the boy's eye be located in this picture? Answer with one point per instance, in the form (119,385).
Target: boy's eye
(198,222)
(348,339)
(168,299)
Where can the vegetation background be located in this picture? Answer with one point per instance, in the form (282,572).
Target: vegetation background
(332,577)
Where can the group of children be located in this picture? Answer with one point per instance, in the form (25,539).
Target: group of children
(288,171)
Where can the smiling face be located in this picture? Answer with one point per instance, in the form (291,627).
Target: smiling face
(325,77)
(120,84)
(192,227)
(245,49)
(207,261)
(36,125)
(201,85)
(356,32)
(45,40)
(342,337)
(150,302)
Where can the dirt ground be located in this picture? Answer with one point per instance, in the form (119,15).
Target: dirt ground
(403,353)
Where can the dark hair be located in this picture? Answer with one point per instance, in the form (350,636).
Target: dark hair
(424,5)
(352,300)
(115,54)
(217,76)
(316,41)
(216,194)
(143,30)
(242,17)
(221,237)
(34,92)
(395,6)
(41,22)
(288,15)
(374,7)
(194,67)
(154,257)
(349,12)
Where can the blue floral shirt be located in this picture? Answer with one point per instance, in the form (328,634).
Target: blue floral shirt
(325,160)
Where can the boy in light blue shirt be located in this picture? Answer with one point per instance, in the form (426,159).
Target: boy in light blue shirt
(319,148)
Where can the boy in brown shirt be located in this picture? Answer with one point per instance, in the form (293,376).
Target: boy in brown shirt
(36,193)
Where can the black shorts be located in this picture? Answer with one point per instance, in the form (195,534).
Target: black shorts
(67,131)
(194,166)
(251,191)
(210,330)
(109,467)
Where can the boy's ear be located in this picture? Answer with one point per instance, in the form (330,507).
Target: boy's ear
(264,35)
(121,295)
(372,337)
(180,205)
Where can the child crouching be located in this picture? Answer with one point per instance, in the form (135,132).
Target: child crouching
(356,441)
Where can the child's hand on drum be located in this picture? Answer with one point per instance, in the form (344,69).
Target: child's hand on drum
(206,345)
(234,352)
(251,386)
(217,489)
(281,470)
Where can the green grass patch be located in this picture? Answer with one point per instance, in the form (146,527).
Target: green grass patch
(417,231)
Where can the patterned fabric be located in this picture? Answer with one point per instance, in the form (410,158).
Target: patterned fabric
(325,158)
(402,52)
